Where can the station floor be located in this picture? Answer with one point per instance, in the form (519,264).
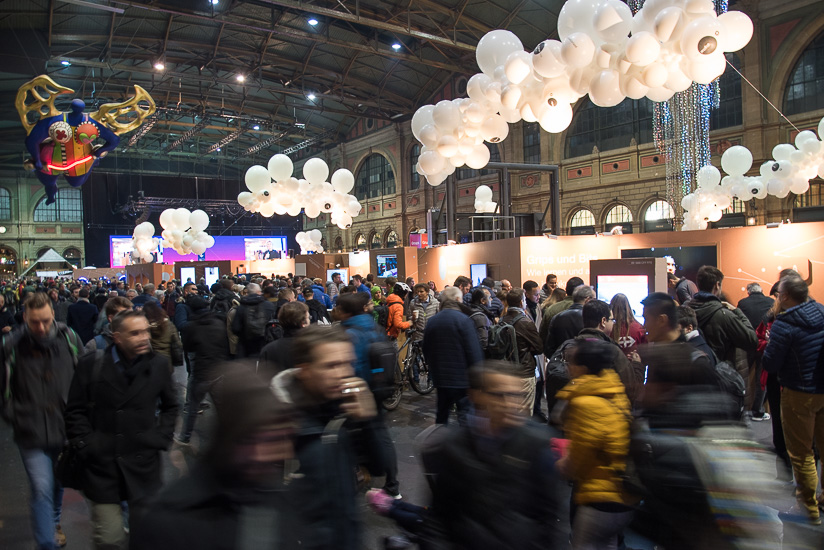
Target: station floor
(414,414)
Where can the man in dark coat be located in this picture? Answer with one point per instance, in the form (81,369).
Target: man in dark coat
(795,351)
(450,347)
(317,311)
(112,418)
(251,318)
(6,317)
(40,355)
(755,307)
(568,323)
(682,288)
(82,316)
(528,343)
(276,357)
(207,345)
(496,306)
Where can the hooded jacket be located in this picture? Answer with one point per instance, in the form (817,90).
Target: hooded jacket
(795,348)
(363,332)
(597,422)
(205,336)
(250,346)
(631,374)
(426,310)
(526,338)
(396,323)
(724,329)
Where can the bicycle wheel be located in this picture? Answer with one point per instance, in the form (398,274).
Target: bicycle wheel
(424,384)
(391,403)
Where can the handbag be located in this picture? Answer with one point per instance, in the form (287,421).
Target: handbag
(69,468)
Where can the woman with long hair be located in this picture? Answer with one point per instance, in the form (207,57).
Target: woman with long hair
(626,331)
(554,297)
(165,339)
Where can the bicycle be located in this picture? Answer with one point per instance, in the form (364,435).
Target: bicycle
(405,373)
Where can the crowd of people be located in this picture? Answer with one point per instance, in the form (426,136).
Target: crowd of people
(646,419)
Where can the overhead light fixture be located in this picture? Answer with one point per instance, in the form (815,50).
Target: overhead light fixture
(312,21)
(159,66)
(65,63)
(218,149)
(240,78)
(311,97)
(256,127)
(396,46)
(214,2)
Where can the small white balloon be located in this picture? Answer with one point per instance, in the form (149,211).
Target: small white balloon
(643,48)
(547,60)
(421,118)
(447,116)
(518,66)
(494,129)
(483,193)
(431,162)
(478,157)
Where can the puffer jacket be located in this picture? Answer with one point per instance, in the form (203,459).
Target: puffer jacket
(795,348)
(396,323)
(426,310)
(631,373)
(597,422)
(724,329)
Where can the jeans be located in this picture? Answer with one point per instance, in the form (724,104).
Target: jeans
(597,530)
(384,450)
(195,392)
(46,494)
(448,397)
(802,415)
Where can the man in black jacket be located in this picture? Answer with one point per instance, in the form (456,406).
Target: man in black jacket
(681,287)
(39,357)
(251,318)
(317,311)
(207,345)
(755,307)
(568,323)
(6,317)
(276,357)
(528,344)
(112,418)
(82,316)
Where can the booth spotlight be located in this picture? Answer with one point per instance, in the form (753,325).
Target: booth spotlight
(256,127)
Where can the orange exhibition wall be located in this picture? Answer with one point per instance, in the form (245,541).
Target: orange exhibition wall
(745,254)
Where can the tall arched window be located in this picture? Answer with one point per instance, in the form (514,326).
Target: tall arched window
(414,154)
(658,217)
(466,173)
(582,223)
(729,111)
(8,261)
(67,208)
(532,143)
(375,240)
(805,88)
(375,178)
(360,242)
(338,243)
(392,239)
(618,214)
(609,127)
(5,204)
(72,254)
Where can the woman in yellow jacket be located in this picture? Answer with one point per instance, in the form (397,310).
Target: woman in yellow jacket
(596,422)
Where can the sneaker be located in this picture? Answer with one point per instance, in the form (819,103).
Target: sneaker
(59,536)
(181,441)
(762,418)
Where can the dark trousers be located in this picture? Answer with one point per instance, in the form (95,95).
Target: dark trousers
(754,388)
(384,451)
(448,397)
(774,399)
(539,393)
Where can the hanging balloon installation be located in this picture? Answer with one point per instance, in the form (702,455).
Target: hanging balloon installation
(603,51)
(789,172)
(483,200)
(309,241)
(144,242)
(185,231)
(273,190)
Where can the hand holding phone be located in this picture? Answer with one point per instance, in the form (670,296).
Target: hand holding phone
(358,402)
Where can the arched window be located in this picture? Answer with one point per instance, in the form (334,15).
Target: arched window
(360,242)
(805,88)
(375,178)
(67,208)
(737,206)
(8,261)
(582,223)
(338,243)
(466,173)
(658,217)
(813,197)
(72,254)
(532,143)
(618,214)
(609,127)
(415,180)
(375,240)
(5,204)
(729,111)
(392,239)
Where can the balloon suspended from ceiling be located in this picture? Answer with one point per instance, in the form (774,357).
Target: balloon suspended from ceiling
(604,51)
(64,143)
(790,171)
(483,200)
(185,231)
(309,241)
(273,190)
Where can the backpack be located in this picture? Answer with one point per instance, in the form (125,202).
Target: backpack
(557,373)
(503,343)
(731,382)
(273,331)
(221,306)
(255,321)
(381,315)
(382,359)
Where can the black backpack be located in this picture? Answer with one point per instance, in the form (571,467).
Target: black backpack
(255,322)
(381,315)
(503,343)
(382,359)
(731,382)
(557,373)
(273,331)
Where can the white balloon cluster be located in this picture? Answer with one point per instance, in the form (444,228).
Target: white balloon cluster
(604,51)
(273,190)
(483,200)
(789,172)
(309,241)
(144,242)
(186,231)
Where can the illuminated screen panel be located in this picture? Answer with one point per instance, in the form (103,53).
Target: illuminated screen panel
(634,287)
(226,248)
(387,265)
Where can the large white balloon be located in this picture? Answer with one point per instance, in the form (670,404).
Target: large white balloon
(612,21)
(483,193)
(736,160)
(494,129)
(547,60)
(577,50)
(167,218)
(478,157)
(446,115)
(493,49)
(257,177)
(738,30)
(557,118)
(280,167)
(315,170)
(343,180)
(518,66)
(145,229)
(604,90)
(199,220)
(182,217)
(643,48)
(421,118)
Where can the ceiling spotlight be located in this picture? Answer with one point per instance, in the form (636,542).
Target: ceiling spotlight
(218,149)
(312,21)
(159,66)
(256,127)
(240,78)
(65,63)
(214,2)
(311,96)
(396,46)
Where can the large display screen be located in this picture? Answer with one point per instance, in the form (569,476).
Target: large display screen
(687,259)
(634,287)
(343,272)
(477,272)
(387,265)
(227,247)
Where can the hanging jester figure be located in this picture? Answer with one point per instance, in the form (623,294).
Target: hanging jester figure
(72,143)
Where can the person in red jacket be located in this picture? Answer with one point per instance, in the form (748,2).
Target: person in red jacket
(626,331)
(395,303)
